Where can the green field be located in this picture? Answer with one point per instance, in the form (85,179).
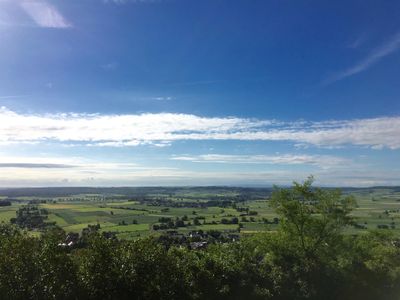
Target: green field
(132,216)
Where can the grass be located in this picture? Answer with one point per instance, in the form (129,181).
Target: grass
(73,213)
(6,215)
(127,228)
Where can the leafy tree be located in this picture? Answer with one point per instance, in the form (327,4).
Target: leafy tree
(308,257)
(56,271)
(372,270)
(148,271)
(98,268)
(313,218)
(17,263)
(309,243)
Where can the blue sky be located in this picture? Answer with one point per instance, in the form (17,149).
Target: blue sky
(199,92)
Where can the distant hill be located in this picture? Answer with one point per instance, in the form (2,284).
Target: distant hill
(129,191)
(143,191)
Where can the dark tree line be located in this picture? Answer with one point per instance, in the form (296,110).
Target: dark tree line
(307,258)
(31,217)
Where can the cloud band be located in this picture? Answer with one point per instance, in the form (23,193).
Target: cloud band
(163,128)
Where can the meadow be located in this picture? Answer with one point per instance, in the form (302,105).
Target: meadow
(132,213)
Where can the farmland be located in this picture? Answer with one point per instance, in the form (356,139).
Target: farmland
(181,243)
(131,213)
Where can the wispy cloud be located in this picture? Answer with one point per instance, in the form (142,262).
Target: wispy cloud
(374,57)
(323,161)
(194,83)
(34,166)
(79,171)
(358,41)
(110,66)
(78,165)
(44,14)
(12,97)
(160,176)
(164,128)
(162,98)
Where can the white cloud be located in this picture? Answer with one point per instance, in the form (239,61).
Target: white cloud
(79,163)
(375,56)
(168,98)
(165,128)
(34,166)
(171,177)
(44,14)
(322,161)
(81,171)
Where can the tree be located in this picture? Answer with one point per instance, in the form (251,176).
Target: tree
(98,268)
(179,223)
(56,272)
(307,252)
(313,217)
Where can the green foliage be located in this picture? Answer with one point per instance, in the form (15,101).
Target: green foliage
(34,269)
(31,217)
(312,218)
(308,257)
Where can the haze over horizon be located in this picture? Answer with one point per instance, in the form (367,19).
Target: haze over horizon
(199,92)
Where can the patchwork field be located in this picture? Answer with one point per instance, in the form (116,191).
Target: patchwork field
(138,213)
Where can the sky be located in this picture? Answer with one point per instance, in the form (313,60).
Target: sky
(199,92)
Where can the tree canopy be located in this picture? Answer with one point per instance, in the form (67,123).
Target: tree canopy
(308,257)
